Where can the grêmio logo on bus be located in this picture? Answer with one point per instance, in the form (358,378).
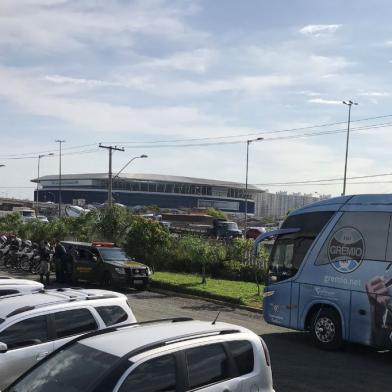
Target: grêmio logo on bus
(346,249)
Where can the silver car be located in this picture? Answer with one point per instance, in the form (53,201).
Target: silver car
(34,325)
(162,355)
(10,286)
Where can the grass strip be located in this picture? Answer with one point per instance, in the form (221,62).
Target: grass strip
(236,292)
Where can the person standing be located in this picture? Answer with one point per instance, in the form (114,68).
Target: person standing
(44,267)
(60,261)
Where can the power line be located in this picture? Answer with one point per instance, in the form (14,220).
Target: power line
(27,155)
(311,182)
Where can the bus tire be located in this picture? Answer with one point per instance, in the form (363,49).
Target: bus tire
(326,329)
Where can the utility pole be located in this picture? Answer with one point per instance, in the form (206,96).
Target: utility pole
(349,104)
(60,143)
(248,142)
(110,185)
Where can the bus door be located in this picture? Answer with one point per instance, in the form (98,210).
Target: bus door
(278,305)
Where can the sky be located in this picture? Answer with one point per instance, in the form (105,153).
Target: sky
(188,82)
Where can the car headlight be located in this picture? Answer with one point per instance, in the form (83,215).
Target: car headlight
(149,272)
(120,270)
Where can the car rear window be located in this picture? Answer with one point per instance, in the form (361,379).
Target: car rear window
(242,353)
(73,369)
(206,365)
(74,322)
(112,314)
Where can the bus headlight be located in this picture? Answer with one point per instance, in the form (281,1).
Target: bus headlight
(120,271)
(268,294)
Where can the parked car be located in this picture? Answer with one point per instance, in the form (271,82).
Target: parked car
(106,264)
(10,286)
(162,355)
(34,325)
(254,232)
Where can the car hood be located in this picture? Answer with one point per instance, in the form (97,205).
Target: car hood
(129,264)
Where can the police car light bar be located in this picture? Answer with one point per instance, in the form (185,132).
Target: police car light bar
(103,244)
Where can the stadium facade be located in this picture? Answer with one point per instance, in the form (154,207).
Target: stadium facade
(149,189)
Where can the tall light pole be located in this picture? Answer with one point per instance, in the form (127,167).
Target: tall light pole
(349,104)
(248,142)
(37,190)
(126,165)
(60,143)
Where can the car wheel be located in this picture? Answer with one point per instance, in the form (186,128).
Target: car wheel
(326,329)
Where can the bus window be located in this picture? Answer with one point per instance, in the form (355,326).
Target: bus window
(289,250)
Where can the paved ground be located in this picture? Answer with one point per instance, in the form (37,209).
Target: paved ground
(297,365)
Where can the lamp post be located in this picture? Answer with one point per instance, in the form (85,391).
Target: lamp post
(349,104)
(60,143)
(126,165)
(37,190)
(248,142)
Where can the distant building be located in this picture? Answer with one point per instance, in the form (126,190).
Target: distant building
(149,189)
(276,205)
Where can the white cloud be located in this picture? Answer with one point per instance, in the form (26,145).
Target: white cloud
(375,94)
(324,101)
(194,61)
(320,30)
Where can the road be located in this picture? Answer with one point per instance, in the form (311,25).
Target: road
(297,365)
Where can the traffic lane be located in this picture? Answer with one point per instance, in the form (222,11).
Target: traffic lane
(299,366)
(149,305)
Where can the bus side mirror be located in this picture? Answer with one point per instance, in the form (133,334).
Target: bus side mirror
(3,348)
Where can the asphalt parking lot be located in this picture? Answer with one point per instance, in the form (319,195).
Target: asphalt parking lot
(297,365)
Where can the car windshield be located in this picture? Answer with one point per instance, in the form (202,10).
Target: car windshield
(229,225)
(63,372)
(113,254)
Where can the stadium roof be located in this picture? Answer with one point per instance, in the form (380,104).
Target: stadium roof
(152,178)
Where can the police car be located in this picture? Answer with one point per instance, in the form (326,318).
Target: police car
(106,264)
(174,355)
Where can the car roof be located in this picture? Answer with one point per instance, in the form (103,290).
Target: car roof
(124,340)
(20,303)
(19,282)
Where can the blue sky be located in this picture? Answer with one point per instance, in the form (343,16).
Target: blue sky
(132,72)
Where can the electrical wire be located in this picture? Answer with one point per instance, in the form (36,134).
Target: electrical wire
(28,155)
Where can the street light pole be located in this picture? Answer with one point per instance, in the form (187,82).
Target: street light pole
(125,166)
(248,142)
(37,190)
(60,143)
(349,104)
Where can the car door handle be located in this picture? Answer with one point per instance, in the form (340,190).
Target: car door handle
(41,355)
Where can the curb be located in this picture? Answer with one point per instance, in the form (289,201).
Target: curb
(216,301)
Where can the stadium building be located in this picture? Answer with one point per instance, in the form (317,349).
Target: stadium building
(148,189)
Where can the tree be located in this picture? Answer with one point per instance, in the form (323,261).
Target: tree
(11,223)
(216,213)
(146,240)
(112,223)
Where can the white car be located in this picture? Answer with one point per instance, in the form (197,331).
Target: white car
(34,325)
(10,286)
(175,355)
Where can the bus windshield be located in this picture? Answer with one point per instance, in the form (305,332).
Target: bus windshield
(289,250)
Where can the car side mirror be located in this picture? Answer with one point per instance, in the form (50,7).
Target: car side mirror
(3,348)
(94,259)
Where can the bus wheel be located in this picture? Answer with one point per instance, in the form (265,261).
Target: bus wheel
(326,329)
